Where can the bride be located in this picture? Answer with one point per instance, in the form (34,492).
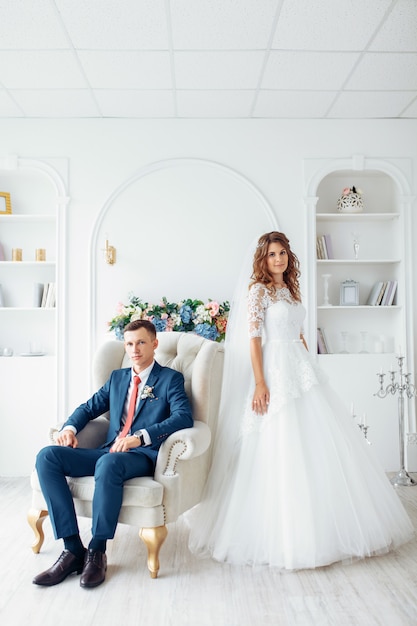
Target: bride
(293,483)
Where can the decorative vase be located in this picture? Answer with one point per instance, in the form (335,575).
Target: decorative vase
(350,202)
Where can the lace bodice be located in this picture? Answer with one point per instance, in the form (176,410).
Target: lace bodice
(275,316)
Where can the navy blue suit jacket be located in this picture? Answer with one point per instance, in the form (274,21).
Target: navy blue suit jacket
(161,416)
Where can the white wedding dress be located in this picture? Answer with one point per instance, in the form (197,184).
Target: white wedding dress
(301,487)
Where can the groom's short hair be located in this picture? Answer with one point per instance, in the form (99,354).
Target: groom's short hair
(137,324)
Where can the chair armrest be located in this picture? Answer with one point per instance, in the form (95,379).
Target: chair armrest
(92,436)
(183,445)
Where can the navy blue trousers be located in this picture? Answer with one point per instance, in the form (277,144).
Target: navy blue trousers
(110,470)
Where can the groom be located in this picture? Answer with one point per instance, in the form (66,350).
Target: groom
(147,403)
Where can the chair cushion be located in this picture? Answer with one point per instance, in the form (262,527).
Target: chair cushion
(143,492)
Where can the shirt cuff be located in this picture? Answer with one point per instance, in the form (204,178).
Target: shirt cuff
(71,428)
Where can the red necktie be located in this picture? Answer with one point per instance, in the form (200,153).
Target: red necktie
(132,407)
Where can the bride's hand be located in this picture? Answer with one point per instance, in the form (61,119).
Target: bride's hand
(260,399)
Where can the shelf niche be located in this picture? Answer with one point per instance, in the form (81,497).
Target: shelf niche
(381,231)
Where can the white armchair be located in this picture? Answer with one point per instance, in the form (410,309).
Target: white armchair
(183,459)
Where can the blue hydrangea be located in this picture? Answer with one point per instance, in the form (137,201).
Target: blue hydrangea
(118,331)
(159,324)
(186,313)
(207,331)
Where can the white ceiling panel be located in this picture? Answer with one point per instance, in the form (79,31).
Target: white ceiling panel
(127,69)
(218,70)
(328,24)
(411,110)
(29,25)
(212,104)
(293,104)
(115,25)
(40,69)
(308,70)
(371,104)
(208,58)
(8,108)
(385,71)
(133,103)
(399,31)
(56,103)
(222,24)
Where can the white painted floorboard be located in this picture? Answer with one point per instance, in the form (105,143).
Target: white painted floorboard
(193,592)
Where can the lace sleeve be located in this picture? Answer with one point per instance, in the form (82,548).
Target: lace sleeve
(257,304)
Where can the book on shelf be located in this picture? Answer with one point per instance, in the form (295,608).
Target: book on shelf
(50,296)
(322,342)
(329,246)
(389,294)
(374,293)
(44,295)
(382,293)
(324,247)
(385,294)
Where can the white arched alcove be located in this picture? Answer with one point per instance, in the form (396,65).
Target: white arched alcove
(181,228)
(386,185)
(400,171)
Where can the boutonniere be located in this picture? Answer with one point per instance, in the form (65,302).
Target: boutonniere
(147,392)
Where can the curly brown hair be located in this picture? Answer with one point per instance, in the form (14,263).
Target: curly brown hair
(260,272)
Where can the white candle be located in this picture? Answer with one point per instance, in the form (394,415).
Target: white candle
(352,409)
(364,419)
(381,371)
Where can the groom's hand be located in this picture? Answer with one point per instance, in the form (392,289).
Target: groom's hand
(125,444)
(67,438)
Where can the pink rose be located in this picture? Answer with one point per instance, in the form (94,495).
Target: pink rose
(214,308)
(346,191)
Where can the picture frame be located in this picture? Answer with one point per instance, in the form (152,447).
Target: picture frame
(5,203)
(349,293)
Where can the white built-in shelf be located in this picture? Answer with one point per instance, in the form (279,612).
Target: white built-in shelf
(353,217)
(27,308)
(27,217)
(358,261)
(362,307)
(28,263)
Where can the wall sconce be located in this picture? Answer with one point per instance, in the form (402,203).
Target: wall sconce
(109,253)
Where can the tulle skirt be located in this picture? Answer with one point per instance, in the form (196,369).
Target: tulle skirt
(303,488)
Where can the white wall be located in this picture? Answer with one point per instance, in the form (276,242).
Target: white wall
(104,154)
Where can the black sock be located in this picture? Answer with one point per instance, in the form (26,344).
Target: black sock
(74,545)
(97,544)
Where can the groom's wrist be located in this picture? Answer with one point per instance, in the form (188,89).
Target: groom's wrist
(138,434)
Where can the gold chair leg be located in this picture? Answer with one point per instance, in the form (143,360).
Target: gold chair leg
(153,538)
(36,519)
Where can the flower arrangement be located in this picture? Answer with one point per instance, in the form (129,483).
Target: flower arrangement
(206,319)
(347,190)
(147,392)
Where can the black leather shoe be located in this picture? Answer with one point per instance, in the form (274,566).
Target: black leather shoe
(66,564)
(94,571)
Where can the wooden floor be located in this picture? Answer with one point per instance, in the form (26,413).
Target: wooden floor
(195,592)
